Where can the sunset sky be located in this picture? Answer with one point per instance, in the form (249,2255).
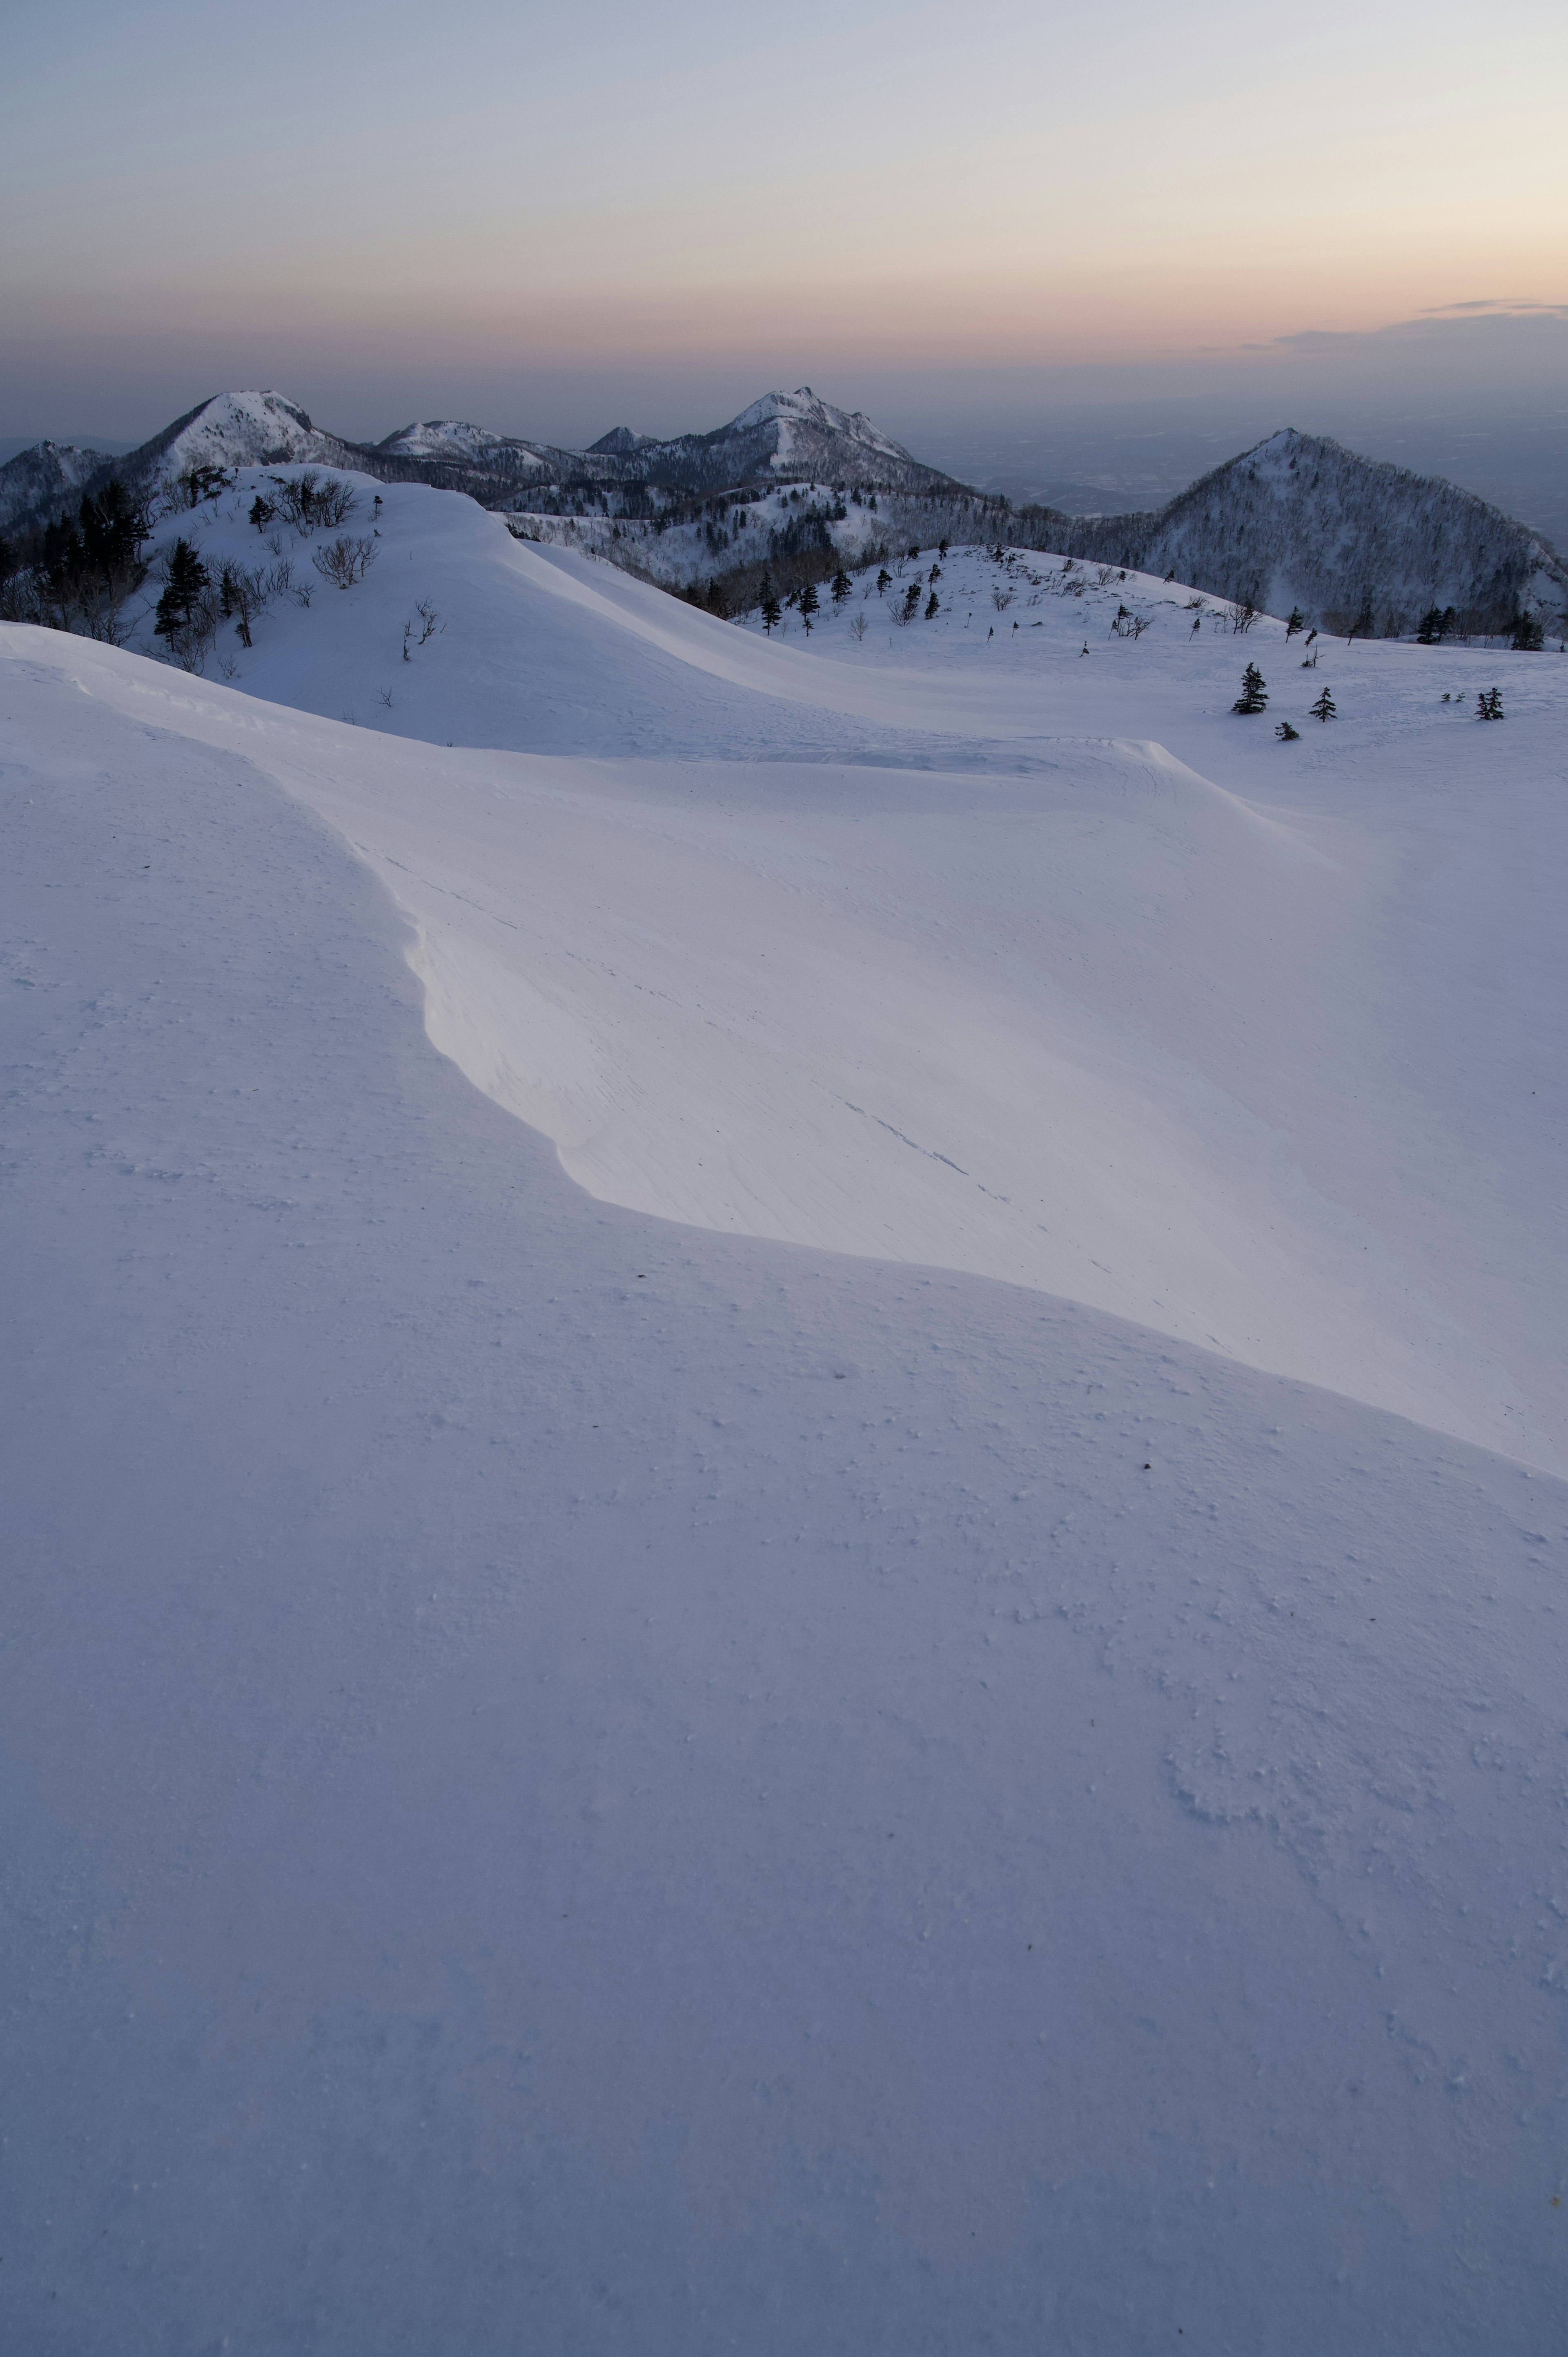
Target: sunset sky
(555,216)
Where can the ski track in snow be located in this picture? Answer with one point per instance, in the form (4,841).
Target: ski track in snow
(689,1769)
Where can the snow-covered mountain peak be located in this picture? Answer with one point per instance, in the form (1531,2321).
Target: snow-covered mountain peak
(437,434)
(620,442)
(803,422)
(770,405)
(245,429)
(1357,543)
(457,442)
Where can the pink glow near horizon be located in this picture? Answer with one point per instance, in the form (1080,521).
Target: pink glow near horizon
(900,189)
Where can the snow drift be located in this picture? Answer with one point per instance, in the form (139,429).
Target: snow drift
(681,1765)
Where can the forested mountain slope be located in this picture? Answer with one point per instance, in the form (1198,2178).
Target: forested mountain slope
(1301,520)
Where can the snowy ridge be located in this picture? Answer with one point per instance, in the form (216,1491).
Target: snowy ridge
(635,1732)
(673,1677)
(1082,1126)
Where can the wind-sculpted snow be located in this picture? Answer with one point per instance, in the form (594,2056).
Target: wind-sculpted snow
(950,948)
(714,1632)
(576,1781)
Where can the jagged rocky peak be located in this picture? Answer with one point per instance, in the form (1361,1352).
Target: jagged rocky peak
(620,442)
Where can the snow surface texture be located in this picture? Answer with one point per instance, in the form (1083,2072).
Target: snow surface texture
(580,1782)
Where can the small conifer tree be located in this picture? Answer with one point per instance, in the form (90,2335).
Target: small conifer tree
(1324,709)
(1297,622)
(809,603)
(1286,733)
(1254,696)
(841,585)
(1489,704)
(934,607)
(772,612)
(186,581)
(1528,634)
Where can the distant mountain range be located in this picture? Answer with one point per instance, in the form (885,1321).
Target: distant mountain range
(1299,521)
(790,436)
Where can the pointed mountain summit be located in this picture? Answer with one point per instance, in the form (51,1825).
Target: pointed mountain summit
(1356,543)
(238,429)
(230,429)
(788,436)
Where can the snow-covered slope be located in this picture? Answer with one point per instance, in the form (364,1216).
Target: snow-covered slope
(575,1779)
(976,950)
(43,479)
(1301,521)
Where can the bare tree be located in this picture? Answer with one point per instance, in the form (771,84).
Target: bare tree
(344,561)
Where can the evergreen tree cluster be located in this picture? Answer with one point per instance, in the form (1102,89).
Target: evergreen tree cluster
(80,570)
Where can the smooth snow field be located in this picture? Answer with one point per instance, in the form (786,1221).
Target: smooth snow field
(783,1514)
